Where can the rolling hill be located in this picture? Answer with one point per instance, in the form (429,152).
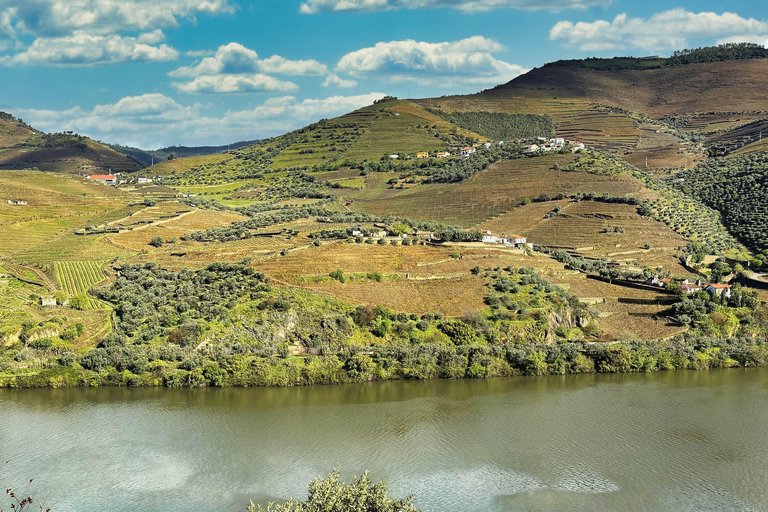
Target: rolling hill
(150,157)
(23,147)
(348,249)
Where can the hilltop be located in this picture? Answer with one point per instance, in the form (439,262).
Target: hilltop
(23,147)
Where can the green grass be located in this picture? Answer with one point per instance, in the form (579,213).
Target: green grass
(403,133)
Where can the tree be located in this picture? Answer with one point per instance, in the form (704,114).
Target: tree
(156,241)
(332,495)
(78,301)
(338,275)
(172,156)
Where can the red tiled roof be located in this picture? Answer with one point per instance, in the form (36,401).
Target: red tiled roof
(719,286)
(102,177)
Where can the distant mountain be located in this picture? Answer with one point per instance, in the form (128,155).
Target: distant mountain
(24,147)
(160,155)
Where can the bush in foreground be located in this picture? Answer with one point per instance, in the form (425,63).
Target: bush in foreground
(332,495)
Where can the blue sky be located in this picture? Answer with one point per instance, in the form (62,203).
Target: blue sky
(153,73)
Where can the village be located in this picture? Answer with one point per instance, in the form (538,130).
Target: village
(532,146)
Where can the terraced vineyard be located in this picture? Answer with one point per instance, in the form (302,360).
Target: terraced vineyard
(77,277)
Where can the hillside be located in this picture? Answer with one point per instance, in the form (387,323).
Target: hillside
(23,147)
(150,157)
(349,250)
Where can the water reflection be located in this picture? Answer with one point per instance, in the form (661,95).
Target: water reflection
(667,441)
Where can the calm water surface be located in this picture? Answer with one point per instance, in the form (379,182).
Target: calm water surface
(669,441)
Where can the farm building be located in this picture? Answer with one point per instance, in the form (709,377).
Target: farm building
(394,157)
(516,241)
(48,301)
(422,155)
(723,290)
(443,154)
(577,146)
(533,148)
(467,151)
(11,202)
(144,180)
(493,238)
(557,140)
(109,179)
(689,289)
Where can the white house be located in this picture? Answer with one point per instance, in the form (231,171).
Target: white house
(719,289)
(444,154)
(577,146)
(11,202)
(516,241)
(533,148)
(487,145)
(546,147)
(109,179)
(394,157)
(492,238)
(145,180)
(557,140)
(467,151)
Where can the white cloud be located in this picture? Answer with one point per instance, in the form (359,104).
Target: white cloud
(57,18)
(315,6)
(466,62)
(243,83)
(81,49)
(234,58)
(155,120)
(662,31)
(334,80)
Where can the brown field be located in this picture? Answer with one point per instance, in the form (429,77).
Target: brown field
(619,318)
(451,296)
(601,129)
(11,134)
(579,227)
(192,220)
(490,193)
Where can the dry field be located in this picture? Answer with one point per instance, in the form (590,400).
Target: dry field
(490,193)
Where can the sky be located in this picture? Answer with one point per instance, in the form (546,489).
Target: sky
(157,73)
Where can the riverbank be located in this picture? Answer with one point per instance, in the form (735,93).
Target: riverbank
(397,362)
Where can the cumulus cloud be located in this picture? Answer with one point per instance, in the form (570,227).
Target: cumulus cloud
(256,82)
(234,58)
(334,80)
(81,49)
(662,31)
(155,120)
(57,18)
(466,62)
(316,6)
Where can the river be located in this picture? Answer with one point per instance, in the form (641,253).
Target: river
(666,441)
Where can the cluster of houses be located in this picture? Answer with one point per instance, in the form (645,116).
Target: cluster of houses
(16,203)
(688,288)
(514,241)
(113,179)
(463,152)
(553,144)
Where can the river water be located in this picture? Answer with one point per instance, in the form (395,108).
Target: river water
(667,441)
